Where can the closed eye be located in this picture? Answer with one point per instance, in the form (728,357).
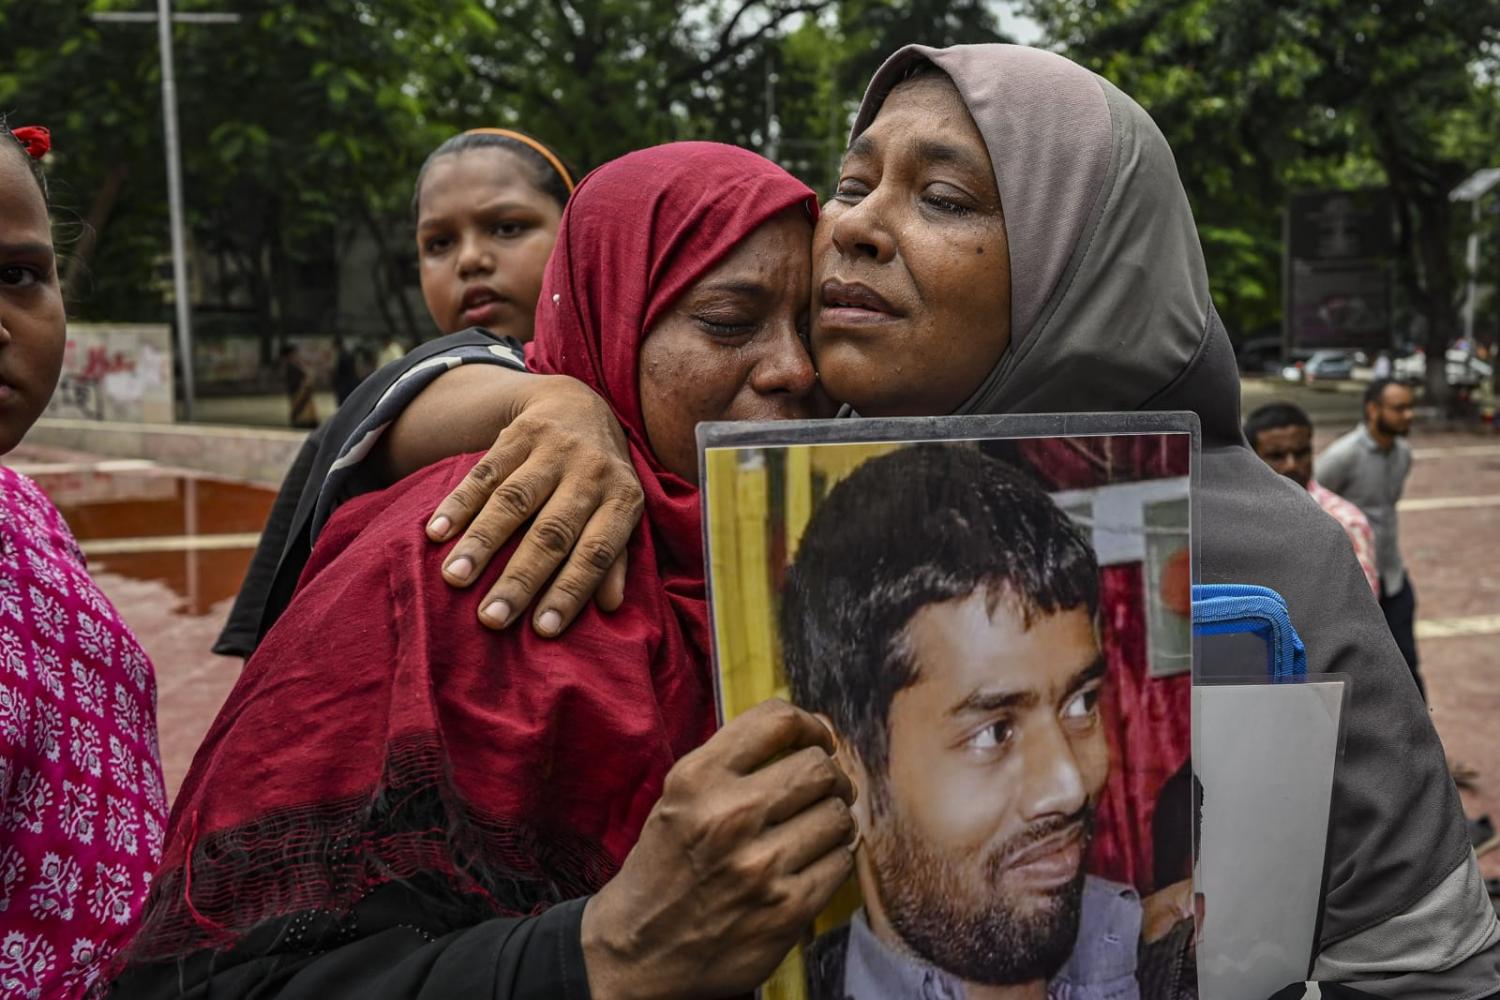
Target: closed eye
(947,205)
(722,328)
(947,198)
(850,191)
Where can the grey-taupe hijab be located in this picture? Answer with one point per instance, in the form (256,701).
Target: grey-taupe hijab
(1110,310)
(1105,262)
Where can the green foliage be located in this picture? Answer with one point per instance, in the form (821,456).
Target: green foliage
(1263,98)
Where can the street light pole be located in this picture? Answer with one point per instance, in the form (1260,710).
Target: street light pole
(174,205)
(164,19)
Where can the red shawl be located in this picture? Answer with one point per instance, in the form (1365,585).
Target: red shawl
(380,731)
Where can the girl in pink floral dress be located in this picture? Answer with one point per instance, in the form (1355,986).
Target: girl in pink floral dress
(82,806)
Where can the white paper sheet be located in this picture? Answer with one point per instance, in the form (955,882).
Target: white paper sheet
(1265,755)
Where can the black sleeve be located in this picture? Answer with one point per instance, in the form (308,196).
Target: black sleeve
(525,958)
(334,453)
(1167,969)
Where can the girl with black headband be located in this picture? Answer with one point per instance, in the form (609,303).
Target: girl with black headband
(486,205)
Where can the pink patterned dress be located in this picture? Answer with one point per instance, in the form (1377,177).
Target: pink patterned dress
(82,805)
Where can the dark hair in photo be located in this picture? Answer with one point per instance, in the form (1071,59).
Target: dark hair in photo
(544,175)
(1375,391)
(9,141)
(924,525)
(1272,416)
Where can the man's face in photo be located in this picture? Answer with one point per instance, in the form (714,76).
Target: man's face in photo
(979,830)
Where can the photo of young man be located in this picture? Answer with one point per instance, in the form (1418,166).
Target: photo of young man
(941,615)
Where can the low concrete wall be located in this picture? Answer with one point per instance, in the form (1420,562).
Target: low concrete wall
(261,455)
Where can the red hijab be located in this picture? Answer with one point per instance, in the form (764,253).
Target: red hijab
(379,731)
(616,270)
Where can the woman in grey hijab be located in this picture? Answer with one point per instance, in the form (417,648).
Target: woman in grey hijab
(1109,310)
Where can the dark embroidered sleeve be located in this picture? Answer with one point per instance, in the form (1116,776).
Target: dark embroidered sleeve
(1167,969)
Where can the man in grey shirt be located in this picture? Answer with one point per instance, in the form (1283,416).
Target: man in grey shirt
(1368,467)
(940,616)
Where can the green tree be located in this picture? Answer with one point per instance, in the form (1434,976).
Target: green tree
(300,123)
(1263,98)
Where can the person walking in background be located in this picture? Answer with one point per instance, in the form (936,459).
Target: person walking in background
(1368,467)
(1281,435)
(1382,368)
(346,369)
(299,389)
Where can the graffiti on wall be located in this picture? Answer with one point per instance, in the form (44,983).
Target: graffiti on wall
(115,372)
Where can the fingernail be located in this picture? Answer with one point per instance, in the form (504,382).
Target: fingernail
(440,526)
(461,568)
(497,612)
(549,623)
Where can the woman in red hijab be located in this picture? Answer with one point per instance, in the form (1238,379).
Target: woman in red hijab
(396,801)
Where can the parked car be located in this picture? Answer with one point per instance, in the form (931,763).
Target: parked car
(1323,366)
(1411,369)
(1462,368)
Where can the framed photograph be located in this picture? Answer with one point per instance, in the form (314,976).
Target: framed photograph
(992,614)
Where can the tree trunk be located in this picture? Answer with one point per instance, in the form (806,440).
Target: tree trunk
(383,282)
(1432,242)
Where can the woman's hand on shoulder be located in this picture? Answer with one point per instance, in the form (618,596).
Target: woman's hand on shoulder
(751,838)
(562,459)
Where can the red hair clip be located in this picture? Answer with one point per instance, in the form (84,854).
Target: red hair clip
(36,138)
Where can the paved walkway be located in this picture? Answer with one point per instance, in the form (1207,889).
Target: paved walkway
(1450,537)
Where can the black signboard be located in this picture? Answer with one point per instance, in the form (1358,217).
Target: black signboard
(1339,249)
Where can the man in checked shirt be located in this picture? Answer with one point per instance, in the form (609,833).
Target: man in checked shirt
(1281,435)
